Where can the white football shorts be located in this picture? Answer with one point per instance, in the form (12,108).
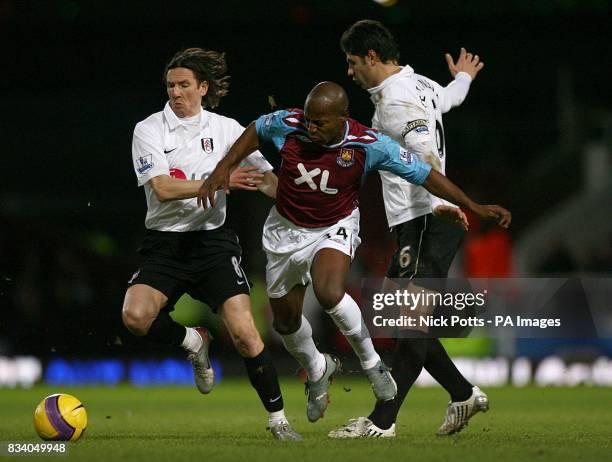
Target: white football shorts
(290,249)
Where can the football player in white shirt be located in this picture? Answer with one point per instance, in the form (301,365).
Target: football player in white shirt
(187,250)
(409,109)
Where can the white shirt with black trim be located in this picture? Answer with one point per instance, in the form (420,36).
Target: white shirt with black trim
(187,148)
(409,109)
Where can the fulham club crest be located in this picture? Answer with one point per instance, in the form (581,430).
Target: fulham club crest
(207,145)
(346,158)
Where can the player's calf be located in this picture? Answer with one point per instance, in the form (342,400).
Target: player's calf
(238,318)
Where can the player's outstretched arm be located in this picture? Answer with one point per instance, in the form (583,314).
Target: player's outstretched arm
(167,188)
(220,177)
(441,186)
(467,62)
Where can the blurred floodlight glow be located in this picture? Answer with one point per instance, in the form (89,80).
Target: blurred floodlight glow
(386,2)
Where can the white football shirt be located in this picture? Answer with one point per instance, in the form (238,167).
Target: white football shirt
(189,148)
(409,109)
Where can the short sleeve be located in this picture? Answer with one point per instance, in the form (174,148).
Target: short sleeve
(437,201)
(275,127)
(147,154)
(256,159)
(386,154)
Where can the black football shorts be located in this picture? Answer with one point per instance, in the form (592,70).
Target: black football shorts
(203,264)
(426,247)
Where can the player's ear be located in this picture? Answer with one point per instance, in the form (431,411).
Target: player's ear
(203,88)
(372,57)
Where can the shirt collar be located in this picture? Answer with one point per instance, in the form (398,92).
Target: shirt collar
(346,130)
(375,92)
(174,121)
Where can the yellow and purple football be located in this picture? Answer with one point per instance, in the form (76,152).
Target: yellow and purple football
(60,417)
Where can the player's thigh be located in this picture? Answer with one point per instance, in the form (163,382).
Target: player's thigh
(286,270)
(406,260)
(329,271)
(141,305)
(287,255)
(287,310)
(440,245)
(237,316)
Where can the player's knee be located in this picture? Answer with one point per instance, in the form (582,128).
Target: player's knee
(135,320)
(287,324)
(329,295)
(241,346)
(248,344)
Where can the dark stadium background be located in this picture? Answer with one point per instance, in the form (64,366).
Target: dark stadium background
(77,76)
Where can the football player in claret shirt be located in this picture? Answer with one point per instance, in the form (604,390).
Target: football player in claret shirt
(311,235)
(186,250)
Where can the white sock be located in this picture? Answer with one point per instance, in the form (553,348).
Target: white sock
(347,317)
(192,341)
(277,417)
(301,346)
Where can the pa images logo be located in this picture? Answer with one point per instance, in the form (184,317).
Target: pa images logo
(346,157)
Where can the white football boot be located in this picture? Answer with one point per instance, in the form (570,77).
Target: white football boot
(459,413)
(203,372)
(284,432)
(361,427)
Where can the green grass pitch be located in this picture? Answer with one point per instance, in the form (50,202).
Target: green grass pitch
(175,424)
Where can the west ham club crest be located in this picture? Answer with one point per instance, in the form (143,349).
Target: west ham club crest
(207,145)
(346,158)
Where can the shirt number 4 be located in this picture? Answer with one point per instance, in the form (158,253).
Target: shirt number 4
(341,232)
